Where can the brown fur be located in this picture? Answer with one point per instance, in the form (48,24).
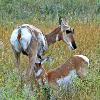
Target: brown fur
(31,51)
(63,70)
(74,63)
(51,37)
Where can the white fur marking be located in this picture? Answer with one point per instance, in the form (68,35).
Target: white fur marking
(38,73)
(14,40)
(83,57)
(42,44)
(67,79)
(71,45)
(57,37)
(67,40)
(41,38)
(25,38)
(14,36)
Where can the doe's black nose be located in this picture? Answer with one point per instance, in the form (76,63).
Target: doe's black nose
(74,45)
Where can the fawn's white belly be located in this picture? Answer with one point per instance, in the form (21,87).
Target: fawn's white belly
(67,79)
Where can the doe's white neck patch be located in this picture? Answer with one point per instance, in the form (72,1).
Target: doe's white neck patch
(57,37)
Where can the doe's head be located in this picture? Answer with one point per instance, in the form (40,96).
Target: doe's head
(67,33)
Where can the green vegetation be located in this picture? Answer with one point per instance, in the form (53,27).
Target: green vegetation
(12,10)
(83,15)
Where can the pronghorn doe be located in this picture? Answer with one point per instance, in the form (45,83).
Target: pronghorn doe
(31,42)
(65,73)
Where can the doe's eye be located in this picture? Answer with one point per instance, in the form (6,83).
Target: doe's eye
(68,31)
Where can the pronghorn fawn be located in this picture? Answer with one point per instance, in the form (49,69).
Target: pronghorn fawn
(75,66)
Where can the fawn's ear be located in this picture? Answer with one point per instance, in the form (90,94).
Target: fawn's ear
(38,65)
(43,61)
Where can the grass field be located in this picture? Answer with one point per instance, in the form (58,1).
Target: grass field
(83,15)
(87,37)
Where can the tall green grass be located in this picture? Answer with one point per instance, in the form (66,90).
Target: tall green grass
(12,10)
(84,16)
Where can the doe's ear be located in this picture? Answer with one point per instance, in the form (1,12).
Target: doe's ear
(60,20)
